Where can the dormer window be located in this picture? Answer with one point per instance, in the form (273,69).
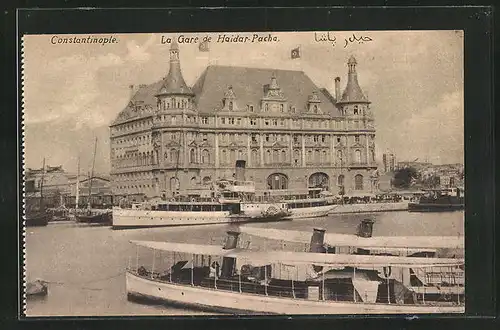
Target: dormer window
(315,109)
(356,110)
(230,105)
(250,108)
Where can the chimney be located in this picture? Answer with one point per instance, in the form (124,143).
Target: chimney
(240,170)
(365,228)
(337,89)
(228,264)
(317,244)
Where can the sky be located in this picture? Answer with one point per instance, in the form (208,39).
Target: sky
(414,79)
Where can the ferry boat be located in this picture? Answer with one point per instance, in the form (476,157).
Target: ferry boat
(439,201)
(94,216)
(231,201)
(231,279)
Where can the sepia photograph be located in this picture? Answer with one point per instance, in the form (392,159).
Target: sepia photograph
(243,173)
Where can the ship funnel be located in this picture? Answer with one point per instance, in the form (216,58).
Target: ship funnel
(240,170)
(317,244)
(365,228)
(228,264)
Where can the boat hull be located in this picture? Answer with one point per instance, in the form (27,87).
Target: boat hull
(103,218)
(369,208)
(244,303)
(430,207)
(130,218)
(37,220)
(311,212)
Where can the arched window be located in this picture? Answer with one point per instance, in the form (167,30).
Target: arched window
(224,157)
(358,182)
(276,156)
(266,107)
(268,156)
(207,180)
(325,157)
(319,180)
(240,154)
(174,184)
(296,157)
(277,181)
(340,156)
(315,109)
(355,109)
(192,156)
(283,156)
(205,156)
(340,180)
(230,105)
(193,181)
(172,100)
(255,157)
(358,156)
(316,156)
(373,155)
(232,156)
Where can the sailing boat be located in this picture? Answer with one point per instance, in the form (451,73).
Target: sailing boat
(93,215)
(36,214)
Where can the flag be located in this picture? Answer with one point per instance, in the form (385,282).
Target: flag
(295,53)
(203,47)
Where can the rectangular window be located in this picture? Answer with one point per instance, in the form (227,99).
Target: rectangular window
(223,120)
(338,139)
(238,121)
(275,122)
(296,138)
(267,137)
(253,121)
(254,137)
(315,138)
(323,138)
(266,122)
(231,121)
(282,122)
(356,138)
(204,137)
(204,120)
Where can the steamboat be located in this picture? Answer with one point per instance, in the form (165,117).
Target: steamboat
(439,201)
(290,282)
(230,201)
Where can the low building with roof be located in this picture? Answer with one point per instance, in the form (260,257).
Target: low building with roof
(172,138)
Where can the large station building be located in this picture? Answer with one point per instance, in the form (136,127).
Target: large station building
(174,139)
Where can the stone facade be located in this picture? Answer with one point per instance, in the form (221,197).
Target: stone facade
(172,138)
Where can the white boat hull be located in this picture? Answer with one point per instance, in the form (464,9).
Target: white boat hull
(311,212)
(241,303)
(369,208)
(128,218)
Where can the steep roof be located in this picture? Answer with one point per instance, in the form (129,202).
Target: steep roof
(248,86)
(353,92)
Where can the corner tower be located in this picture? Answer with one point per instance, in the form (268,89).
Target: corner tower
(353,101)
(174,93)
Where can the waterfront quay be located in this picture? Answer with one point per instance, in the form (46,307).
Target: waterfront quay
(85,265)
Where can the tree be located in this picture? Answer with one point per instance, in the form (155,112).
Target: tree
(432,181)
(403,177)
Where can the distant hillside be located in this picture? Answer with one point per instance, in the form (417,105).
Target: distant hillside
(61,143)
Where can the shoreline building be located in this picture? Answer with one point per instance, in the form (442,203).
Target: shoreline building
(175,139)
(389,162)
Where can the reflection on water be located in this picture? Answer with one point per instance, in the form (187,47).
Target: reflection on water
(85,265)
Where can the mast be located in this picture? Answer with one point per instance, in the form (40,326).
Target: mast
(41,183)
(78,184)
(92,173)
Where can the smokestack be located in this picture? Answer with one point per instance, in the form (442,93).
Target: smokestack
(229,263)
(365,228)
(317,244)
(240,170)
(337,89)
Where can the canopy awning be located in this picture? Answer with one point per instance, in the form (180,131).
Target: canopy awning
(303,257)
(402,242)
